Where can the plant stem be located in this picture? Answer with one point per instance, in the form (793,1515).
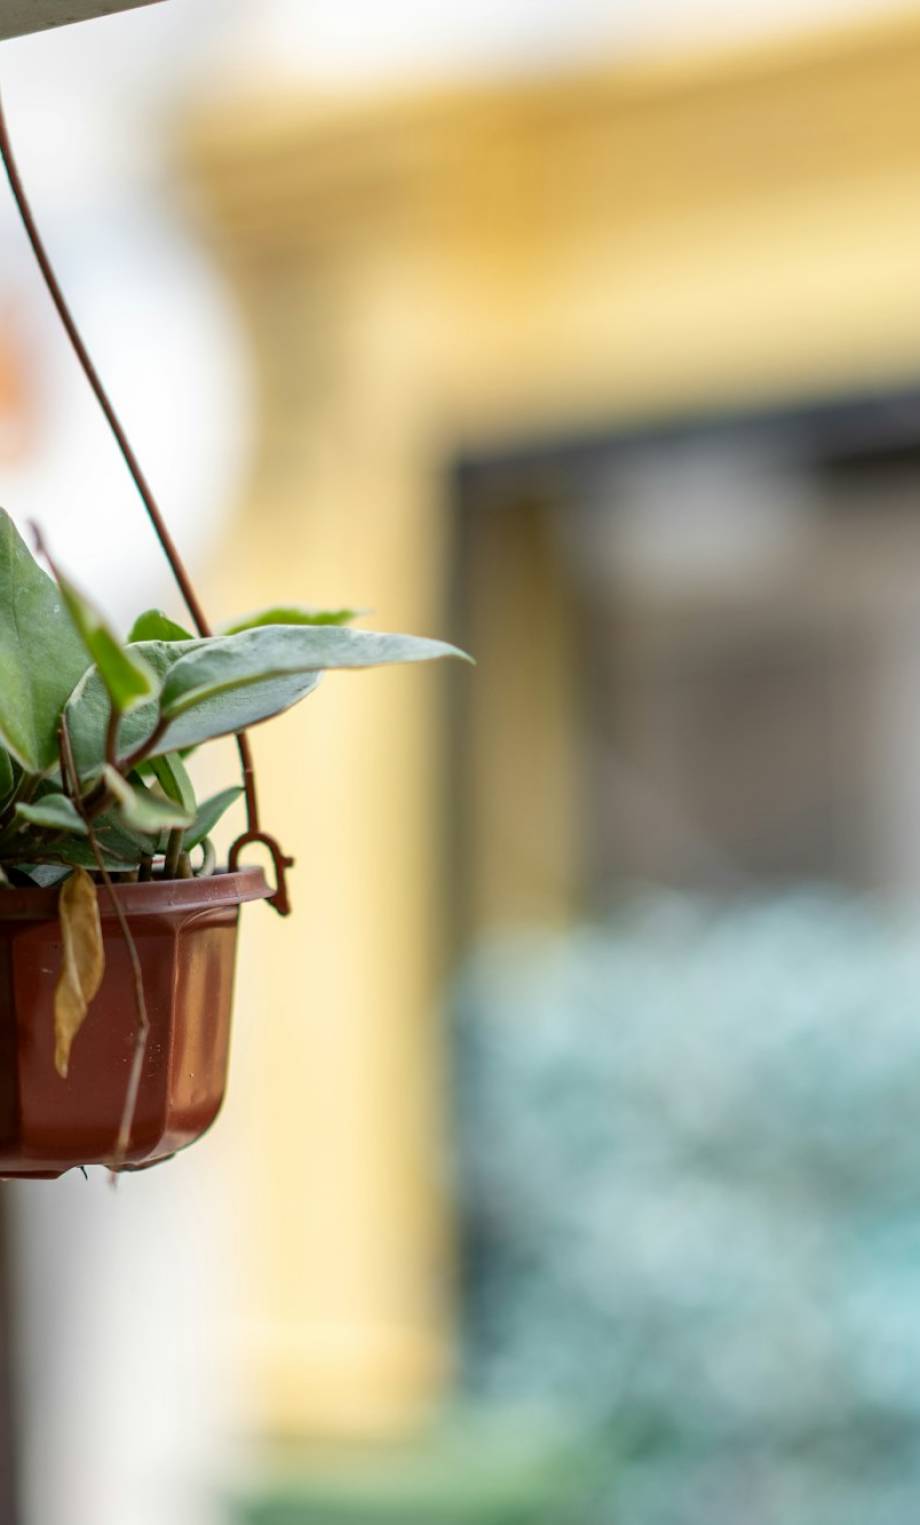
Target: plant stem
(99,797)
(208,861)
(145,748)
(173,853)
(111,737)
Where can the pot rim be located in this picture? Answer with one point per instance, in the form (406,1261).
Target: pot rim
(154,897)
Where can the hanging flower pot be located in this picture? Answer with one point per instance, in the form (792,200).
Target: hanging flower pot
(117,932)
(184,933)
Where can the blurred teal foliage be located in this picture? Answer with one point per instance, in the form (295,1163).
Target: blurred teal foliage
(689,1185)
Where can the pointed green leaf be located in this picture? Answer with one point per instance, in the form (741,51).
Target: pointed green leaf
(221,685)
(208,815)
(292,614)
(88,710)
(154,625)
(234,708)
(126,675)
(41,655)
(141,810)
(231,682)
(172,776)
(55,812)
(128,682)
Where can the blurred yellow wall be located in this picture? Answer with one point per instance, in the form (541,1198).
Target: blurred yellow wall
(420,273)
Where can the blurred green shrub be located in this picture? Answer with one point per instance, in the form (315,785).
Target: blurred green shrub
(689,1184)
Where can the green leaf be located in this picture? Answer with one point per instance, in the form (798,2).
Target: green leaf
(172,776)
(230,709)
(55,812)
(124,841)
(154,625)
(231,682)
(127,677)
(41,655)
(88,710)
(141,810)
(208,815)
(77,852)
(7,776)
(223,684)
(120,849)
(292,614)
(44,874)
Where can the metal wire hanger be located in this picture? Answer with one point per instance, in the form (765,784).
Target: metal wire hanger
(253,833)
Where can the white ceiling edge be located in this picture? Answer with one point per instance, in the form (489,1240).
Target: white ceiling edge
(364,43)
(19,17)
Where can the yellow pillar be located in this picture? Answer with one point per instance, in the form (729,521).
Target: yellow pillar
(419,275)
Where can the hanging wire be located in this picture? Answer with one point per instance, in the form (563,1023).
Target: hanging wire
(253,833)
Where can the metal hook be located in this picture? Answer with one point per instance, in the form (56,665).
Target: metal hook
(279,900)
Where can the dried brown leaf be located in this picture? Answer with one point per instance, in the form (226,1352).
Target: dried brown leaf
(82,965)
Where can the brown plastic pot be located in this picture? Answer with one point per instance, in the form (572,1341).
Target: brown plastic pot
(185,932)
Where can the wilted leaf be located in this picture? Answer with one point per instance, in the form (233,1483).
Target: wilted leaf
(82,964)
(55,812)
(143,811)
(41,655)
(154,625)
(292,614)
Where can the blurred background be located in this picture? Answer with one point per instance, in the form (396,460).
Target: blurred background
(570,1167)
